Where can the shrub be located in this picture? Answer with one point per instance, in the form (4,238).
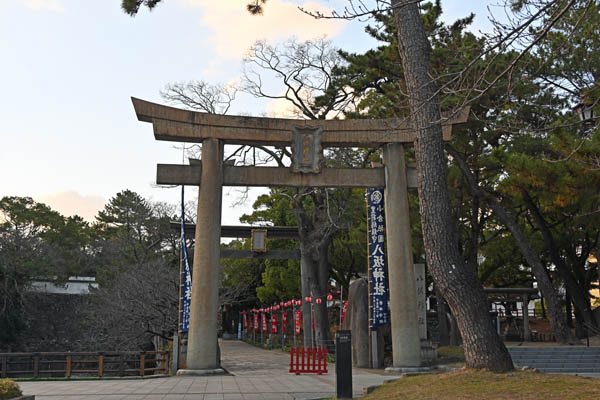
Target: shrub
(9,389)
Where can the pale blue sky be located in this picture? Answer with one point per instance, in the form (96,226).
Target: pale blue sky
(68,133)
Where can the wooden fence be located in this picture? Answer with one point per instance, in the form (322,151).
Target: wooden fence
(83,364)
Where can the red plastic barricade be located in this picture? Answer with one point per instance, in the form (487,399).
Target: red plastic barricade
(308,361)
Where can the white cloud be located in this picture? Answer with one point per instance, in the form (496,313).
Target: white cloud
(280,108)
(235,30)
(53,5)
(71,203)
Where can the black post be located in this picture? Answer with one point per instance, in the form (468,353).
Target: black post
(343,364)
(4,367)
(121,364)
(36,365)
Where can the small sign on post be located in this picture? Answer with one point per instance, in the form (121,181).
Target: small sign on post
(343,364)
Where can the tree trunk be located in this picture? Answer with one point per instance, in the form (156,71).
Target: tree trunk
(559,325)
(307,278)
(457,282)
(579,294)
(314,275)
(321,316)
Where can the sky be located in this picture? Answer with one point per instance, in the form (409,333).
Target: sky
(68,134)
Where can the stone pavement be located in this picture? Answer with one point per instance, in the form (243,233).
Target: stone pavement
(254,374)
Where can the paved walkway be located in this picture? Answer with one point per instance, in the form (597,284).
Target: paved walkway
(254,374)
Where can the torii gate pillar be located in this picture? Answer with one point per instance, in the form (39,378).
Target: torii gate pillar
(202,356)
(406,344)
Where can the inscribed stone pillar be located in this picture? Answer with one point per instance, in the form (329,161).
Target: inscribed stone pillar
(406,345)
(421,300)
(358,308)
(202,340)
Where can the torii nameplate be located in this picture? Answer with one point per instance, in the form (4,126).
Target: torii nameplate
(307,153)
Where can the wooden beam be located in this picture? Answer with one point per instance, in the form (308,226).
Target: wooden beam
(245,231)
(174,124)
(175,174)
(271,254)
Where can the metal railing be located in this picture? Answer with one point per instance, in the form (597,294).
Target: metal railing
(83,364)
(590,330)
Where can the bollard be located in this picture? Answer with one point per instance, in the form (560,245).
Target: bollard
(343,364)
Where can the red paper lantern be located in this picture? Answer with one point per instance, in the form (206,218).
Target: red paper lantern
(281,304)
(329,297)
(298,302)
(318,300)
(308,299)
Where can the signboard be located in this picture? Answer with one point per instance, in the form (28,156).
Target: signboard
(283,321)
(259,240)
(421,300)
(264,322)
(255,321)
(298,320)
(245,322)
(343,365)
(307,153)
(378,284)
(186,278)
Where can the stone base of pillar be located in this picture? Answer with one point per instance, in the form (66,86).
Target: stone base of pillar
(201,372)
(405,370)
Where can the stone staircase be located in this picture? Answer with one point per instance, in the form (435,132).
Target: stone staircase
(565,359)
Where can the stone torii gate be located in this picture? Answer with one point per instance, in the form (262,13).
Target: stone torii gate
(306,138)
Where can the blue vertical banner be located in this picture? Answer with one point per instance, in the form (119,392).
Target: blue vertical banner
(186,280)
(378,283)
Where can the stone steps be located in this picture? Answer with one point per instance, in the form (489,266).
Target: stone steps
(574,359)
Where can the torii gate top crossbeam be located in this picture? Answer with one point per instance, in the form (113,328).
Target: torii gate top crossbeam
(174,124)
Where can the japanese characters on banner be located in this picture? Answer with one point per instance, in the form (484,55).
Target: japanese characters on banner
(344,312)
(283,321)
(298,320)
(255,321)
(186,279)
(264,322)
(273,323)
(245,322)
(378,284)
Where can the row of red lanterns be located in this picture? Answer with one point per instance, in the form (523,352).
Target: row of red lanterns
(293,302)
